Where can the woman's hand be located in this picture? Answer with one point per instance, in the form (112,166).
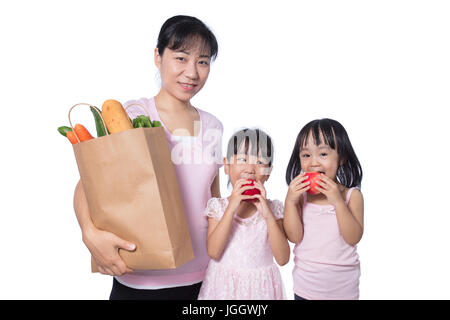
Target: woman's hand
(329,188)
(237,196)
(296,188)
(104,247)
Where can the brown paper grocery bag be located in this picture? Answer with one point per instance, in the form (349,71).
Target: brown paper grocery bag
(132,191)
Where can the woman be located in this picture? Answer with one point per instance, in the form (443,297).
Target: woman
(183,55)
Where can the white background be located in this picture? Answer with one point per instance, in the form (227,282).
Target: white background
(381,68)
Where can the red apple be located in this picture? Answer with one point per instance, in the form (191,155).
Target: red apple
(313,177)
(251,192)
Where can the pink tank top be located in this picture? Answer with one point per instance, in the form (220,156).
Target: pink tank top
(196,161)
(326,267)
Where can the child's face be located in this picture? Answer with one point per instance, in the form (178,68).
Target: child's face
(244,166)
(319,158)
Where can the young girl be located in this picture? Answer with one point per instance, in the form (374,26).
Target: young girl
(245,232)
(185,49)
(325,226)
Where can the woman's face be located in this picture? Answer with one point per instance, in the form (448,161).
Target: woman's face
(184,72)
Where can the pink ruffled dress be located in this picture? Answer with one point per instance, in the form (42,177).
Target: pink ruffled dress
(246,270)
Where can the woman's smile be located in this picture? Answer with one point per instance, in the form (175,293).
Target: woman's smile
(187,86)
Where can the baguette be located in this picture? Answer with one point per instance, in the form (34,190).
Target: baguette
(115,116)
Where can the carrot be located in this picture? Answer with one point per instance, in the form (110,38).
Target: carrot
(82,133)
(71,137)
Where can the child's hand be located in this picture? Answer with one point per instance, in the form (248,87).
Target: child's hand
(329,188)
(261,204)
(237,196)
(296,188)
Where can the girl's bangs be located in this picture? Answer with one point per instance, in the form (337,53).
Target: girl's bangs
(252,147)
(319,131)
(251,142)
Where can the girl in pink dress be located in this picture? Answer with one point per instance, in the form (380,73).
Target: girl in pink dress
(327,224)
(245,232)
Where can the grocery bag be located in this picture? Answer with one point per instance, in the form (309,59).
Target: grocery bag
(132,191)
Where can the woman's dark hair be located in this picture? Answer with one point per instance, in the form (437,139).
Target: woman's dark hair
(184,32)
(254,141)
(349,173)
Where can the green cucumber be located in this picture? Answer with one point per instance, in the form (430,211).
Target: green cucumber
(63,130)
(101,130)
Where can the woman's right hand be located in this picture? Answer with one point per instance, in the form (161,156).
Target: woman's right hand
(296,188)
(237,196)
(104,247)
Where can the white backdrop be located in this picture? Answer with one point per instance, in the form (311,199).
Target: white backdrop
(381,68)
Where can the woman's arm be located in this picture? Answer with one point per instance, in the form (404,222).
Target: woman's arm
(215,187)
(103,245)
(214,251)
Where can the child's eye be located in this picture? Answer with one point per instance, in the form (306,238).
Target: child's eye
(204,62)
(241,160)
(323,154)
(305,155)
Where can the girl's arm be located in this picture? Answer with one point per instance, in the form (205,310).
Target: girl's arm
(277,237)
(278,241)
(218,231)
(351,218)
(292,221)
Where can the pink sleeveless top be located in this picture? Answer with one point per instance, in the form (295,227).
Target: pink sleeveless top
(196,161)
(326,267)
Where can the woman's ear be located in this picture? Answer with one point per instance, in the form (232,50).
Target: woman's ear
(157,58)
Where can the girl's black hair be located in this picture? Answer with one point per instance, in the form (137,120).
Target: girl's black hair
(184,32)
(349,173)
(255,142)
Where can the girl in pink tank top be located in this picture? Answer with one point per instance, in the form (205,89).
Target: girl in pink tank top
(323,212)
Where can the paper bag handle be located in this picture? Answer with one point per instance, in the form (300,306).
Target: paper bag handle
(86,104)
(139,105)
